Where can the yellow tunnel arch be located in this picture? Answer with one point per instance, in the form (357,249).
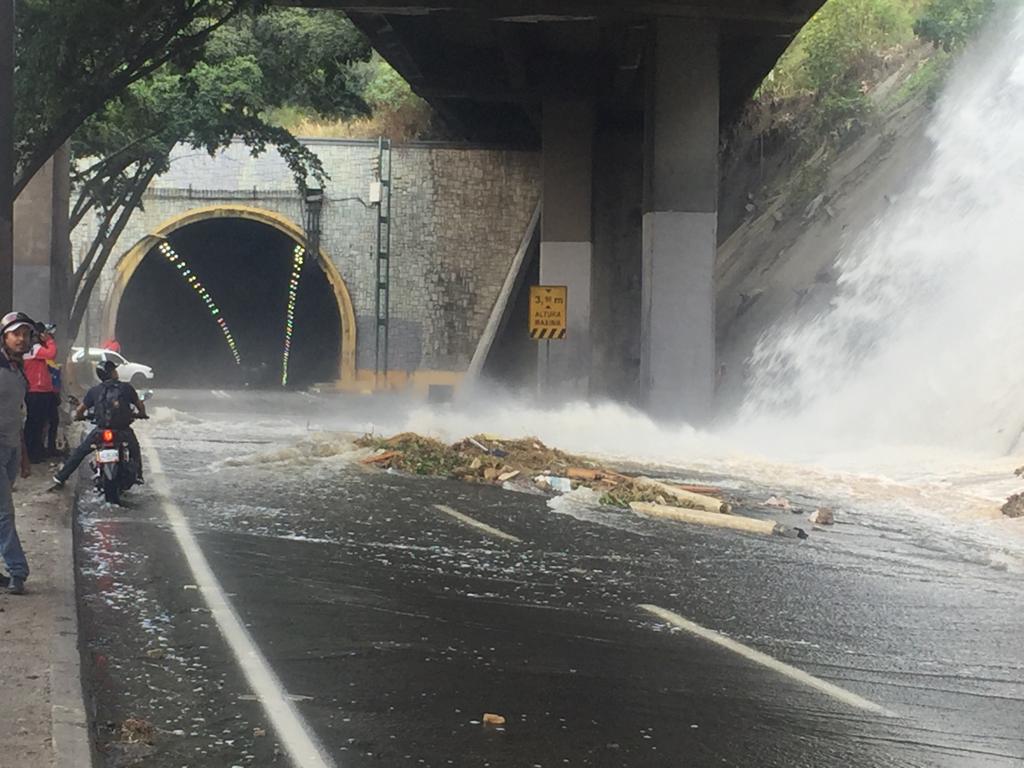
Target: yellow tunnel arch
(133,258)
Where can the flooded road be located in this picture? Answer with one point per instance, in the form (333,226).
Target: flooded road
(347,618)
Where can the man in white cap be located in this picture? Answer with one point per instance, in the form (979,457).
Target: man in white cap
(16,334)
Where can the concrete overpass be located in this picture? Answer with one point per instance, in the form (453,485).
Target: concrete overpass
(626,101)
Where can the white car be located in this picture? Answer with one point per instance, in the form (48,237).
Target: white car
(135,374)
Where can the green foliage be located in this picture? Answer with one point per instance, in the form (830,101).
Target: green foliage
(949,24)
(822,92)
(844,39)
(284,58)
(308,59)
(246,66)
(416,454)
(74,56)
(832,56)
(394,110)
(383,87)
(927,80)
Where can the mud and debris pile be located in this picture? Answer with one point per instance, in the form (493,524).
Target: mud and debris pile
(528,465)
(135,730)
(409,452)
(479,459)
(1014,506)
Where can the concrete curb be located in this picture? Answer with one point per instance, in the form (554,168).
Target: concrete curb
(700,517)
(70,725)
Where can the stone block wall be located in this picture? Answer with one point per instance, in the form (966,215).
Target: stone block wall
(458,215)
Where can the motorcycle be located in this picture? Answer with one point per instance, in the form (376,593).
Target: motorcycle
(113,469)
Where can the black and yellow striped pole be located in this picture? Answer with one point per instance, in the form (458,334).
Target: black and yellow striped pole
(547,334)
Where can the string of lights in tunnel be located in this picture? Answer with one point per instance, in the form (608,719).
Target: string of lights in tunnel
(189,276)
(289,325)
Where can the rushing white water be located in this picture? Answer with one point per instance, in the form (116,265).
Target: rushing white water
(924,343)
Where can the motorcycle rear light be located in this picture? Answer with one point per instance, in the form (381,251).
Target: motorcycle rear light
(108,436)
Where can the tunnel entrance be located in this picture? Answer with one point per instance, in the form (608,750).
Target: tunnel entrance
(245,270)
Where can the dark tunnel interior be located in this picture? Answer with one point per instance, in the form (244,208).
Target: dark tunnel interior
(245,267)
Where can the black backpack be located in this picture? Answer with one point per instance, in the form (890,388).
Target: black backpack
(113,410)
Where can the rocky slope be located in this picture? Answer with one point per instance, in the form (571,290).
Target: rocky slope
(783,234)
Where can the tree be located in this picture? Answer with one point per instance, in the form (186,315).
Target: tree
(74,56)
(307,58)
(221,95)
(949,24)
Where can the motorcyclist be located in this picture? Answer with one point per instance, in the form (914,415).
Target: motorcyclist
(109,387)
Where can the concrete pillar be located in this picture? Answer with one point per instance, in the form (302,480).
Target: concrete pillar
(566,247)
(680,220)
(33,212)
(617,266)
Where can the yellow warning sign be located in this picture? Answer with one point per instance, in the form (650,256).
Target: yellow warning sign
(548,310)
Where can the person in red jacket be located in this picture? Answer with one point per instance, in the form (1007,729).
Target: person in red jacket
(40,395)
(51,433)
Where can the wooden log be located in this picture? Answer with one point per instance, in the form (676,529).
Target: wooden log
(687,498)
(380,458)
(701,517)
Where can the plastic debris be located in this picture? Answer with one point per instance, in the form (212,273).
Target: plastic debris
(559,484)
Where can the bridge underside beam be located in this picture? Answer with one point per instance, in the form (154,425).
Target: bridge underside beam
(486,66)
(527,11)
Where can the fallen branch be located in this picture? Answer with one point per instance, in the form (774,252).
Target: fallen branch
(701,517)
(687,498)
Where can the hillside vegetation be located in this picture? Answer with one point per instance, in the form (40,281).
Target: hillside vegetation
(394,110)
(854,62)
(833,137)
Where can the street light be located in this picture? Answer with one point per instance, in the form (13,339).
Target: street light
(314,205)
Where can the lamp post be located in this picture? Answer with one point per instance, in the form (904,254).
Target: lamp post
(314,205)
(6,154)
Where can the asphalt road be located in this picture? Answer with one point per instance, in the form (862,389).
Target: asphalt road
(388,628)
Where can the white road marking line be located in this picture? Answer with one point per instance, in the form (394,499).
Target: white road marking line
(840,694)
(477,524)
(296,736)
